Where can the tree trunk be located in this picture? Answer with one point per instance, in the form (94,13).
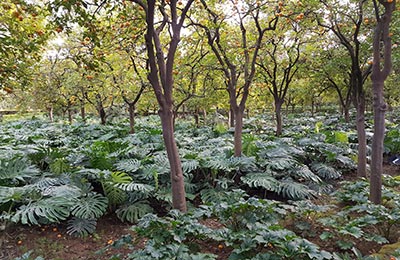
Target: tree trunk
(346,113)
(362,140)
(131,109)
(312,107)
(377,142)
(381,68)
(102,114)
(231,117)
(83,113)
(70,118)
(278,117)
(196,118)
(238,132)
(51,114)
(177,180)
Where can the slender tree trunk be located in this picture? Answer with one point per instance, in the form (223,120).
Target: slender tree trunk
(312,107)
(346,114)
(362,139)
(131,110)
(177,180)
(232,117)
(278,117)
(70,118)
(51,114)
(381,68)
(196,117)
(238,132)
(377,142)
(83,113)
(102,114)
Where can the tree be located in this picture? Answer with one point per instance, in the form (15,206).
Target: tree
(346,21)
(22,33)
(161,77)
(238,63)
(279,62)
(381,68)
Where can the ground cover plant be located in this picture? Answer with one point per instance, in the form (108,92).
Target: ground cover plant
(278,201)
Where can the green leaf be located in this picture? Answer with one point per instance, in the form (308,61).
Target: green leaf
(90,207)
(133,212)
(54,209)
(128,165)
(81,227)
(345,245)
(261,180)
(326,235)
(325,171)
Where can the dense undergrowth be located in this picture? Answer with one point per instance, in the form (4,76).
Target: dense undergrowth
(265,202)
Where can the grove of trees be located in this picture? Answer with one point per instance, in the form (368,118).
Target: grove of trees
(218,61)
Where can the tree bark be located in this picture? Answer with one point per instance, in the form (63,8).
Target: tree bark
(83,113)
(161,79)
(51,114)
(70,117)
(177,180)
(238,132)
(346,113)
(377,142)
(278,117)
(381,68)
(362,139)
(131,109)
(102,114)
(231,117)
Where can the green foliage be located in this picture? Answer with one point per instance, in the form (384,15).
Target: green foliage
(81,227)
(133,212)
(249,146)
(128,165)
(325,171)
(244,225)
(27,256)
(53,209)
(337,137)
(44,156)
(92,206)
(360,215)
(392,141)
(16,170)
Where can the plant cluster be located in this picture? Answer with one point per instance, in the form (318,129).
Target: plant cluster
(248,229)
(77,173)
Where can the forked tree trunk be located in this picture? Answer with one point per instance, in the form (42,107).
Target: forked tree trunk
(177,180)
(161,79)
(381,68)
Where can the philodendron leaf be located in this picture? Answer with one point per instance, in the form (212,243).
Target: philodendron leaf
(92,206)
